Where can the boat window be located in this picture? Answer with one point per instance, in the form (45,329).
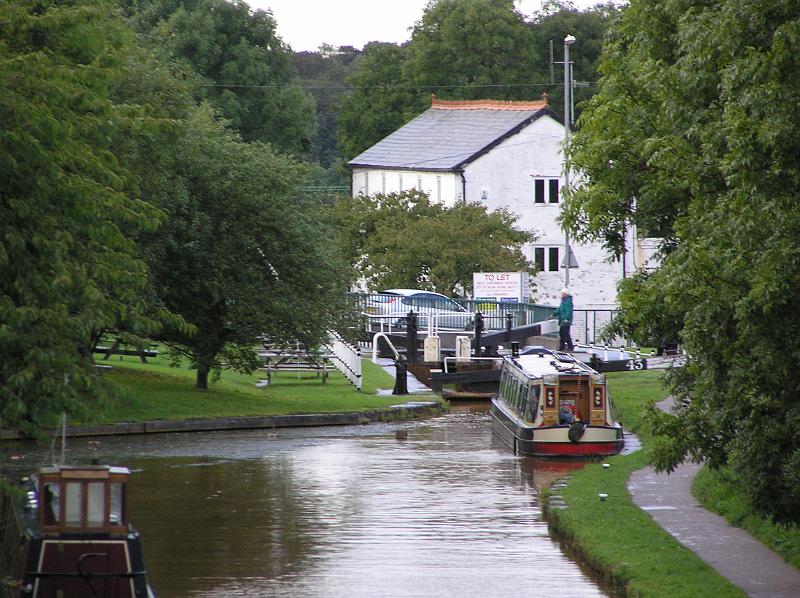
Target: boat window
(73,497)
(95,504)
(117,515)
(52,503)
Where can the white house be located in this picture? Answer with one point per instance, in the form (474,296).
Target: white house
(504,154)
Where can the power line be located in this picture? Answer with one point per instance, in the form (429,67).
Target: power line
(383,86)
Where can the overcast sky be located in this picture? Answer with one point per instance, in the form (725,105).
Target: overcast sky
(305,25)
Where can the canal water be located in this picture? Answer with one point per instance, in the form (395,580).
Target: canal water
(422,509)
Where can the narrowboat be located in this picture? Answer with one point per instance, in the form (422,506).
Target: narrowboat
(78,541)
(549,404)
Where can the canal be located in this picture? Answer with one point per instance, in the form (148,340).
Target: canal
(429,508)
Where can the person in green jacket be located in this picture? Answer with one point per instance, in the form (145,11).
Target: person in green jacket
(564,316)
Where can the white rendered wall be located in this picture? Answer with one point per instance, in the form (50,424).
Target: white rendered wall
(503,178)
(444,187)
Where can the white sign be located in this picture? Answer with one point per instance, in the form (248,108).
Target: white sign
(501,286)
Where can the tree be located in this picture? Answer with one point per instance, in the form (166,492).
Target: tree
(379,100)
(240,256)
(691,137)
(470,49)
(323,75)
(405,240)
(249,72)
(68,266)
(554,22)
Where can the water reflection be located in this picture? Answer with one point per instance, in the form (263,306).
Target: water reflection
(437,510)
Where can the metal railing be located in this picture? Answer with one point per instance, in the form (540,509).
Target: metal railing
(444,313)
(388,313)
(588,326)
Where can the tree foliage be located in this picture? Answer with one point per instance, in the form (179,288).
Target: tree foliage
(471,49)
(240,256)
(692,138)
(248,68)
(68,266)
(403,240)
(379,100)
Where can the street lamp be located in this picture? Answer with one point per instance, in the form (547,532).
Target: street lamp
(568,41)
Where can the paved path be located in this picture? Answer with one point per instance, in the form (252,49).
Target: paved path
(734,553)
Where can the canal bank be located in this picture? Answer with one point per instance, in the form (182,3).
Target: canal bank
(400,412)
(645,535)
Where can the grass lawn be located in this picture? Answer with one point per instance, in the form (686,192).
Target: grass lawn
(156,391)
(615,537)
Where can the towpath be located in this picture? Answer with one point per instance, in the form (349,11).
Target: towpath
(733,552)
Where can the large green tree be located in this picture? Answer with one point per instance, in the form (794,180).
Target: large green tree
(471,49)
(403,240)
(323,75)
(556,20)
(247,66)
(692,138)
(68,266)
(379,100)
(240,255)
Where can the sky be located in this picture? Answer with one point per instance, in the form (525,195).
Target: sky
(305,25)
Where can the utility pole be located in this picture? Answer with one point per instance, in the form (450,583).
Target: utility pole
(568,41)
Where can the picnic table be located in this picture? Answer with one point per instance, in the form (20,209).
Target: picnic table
(281,359)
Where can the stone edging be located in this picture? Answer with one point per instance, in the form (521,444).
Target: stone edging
(408,410)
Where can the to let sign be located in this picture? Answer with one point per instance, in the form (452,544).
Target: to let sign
(501,286)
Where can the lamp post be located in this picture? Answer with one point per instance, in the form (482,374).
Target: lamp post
(568,41)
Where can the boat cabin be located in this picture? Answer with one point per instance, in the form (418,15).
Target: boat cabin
(88,499)
(82,544)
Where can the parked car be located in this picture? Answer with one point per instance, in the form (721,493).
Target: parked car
(431,308)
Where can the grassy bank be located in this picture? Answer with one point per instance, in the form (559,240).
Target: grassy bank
(716,491)
(156,391)
(622,543)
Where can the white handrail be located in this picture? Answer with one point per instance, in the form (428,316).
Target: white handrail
(375,346)
(346,358)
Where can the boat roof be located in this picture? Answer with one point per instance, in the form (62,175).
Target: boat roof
(99,469)
(539,361)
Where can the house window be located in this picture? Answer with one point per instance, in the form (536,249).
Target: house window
(383,183)
(401,183)
(546,259)
(538,190)
(552,266)
(439,189)
(366,183)
(419,182)
(538,258)
(553,183)
(546,190)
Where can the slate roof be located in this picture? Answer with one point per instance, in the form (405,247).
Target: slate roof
(450,134)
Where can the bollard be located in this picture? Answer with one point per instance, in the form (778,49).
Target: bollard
(478,331)
(400,377)
(509,319)
(411,337)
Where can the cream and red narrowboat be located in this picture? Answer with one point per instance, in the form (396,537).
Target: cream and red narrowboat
(550,404)
(78,540)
